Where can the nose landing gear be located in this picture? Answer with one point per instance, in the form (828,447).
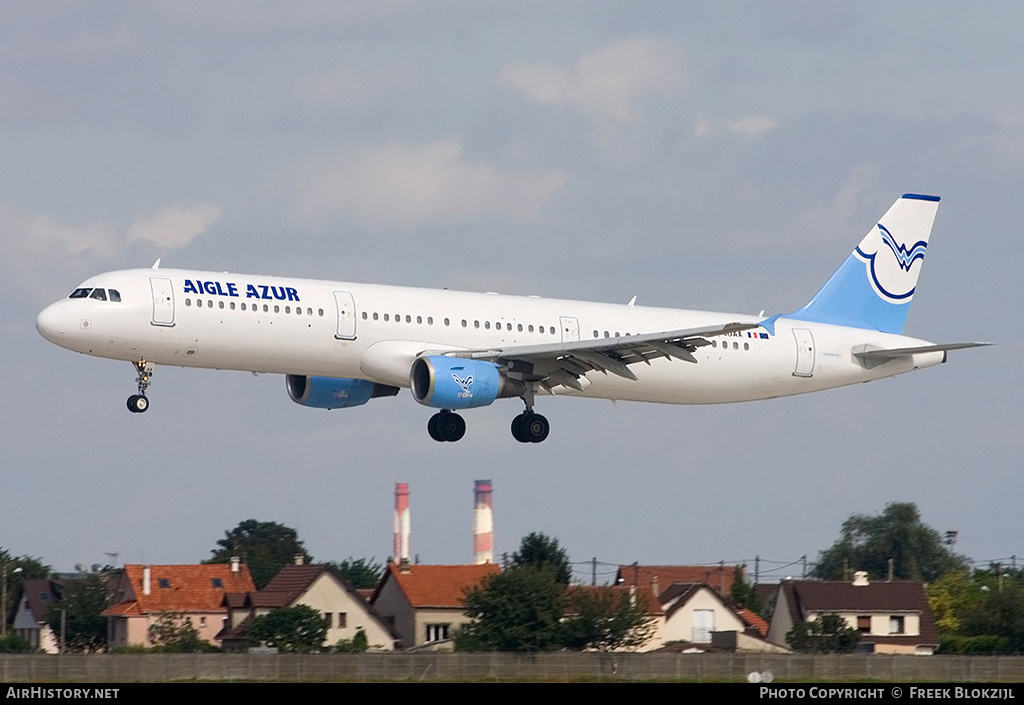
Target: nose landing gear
(138,403)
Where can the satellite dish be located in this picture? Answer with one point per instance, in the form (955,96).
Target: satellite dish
(754,677)
(767,677)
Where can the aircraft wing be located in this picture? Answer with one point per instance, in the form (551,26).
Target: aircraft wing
(555,364)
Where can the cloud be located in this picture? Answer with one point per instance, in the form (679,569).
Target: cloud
(750,126)
(607,85)
(175,226)
(37,237)
(397,185)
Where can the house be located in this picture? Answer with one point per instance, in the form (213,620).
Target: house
(318,586)
(195,593)
(717,577)
(34,599)
(892,617)
(423,603)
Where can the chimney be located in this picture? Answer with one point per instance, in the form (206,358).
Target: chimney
(146,579)
(403,520)
(483,523)
(655,587)
(235,564)
(860,578)
(299,560)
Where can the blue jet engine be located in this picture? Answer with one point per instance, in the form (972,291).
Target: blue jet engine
(334,392)
(455,383)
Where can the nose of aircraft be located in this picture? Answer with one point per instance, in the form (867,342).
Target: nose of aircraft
(52,321)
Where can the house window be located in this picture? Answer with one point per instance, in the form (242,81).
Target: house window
(165,582)
(329,619)
(217,582)
(896,625)
(703,625)
(437,632)
(342,620)
(864,624)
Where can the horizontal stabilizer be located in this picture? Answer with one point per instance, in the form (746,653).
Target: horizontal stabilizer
(883,355)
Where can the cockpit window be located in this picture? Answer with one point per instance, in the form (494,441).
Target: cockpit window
(115,295)
(80,294)
(99,294)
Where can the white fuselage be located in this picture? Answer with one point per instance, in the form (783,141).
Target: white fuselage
(365,331)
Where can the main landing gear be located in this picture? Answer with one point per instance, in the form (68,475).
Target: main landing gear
(446,426)
(528,427)
(138,403)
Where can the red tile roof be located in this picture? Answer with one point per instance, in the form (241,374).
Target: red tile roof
(190,588)
(438,585)
(717,577)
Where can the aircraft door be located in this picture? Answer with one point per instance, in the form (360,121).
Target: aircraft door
(570,328)
(346,308)
(804,352)
(163,301)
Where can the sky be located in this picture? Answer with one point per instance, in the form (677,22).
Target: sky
(724,156)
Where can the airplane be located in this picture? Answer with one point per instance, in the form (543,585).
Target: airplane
(341,344)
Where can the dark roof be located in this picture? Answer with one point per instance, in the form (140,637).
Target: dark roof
(296,579)
(898,596)
(40,595)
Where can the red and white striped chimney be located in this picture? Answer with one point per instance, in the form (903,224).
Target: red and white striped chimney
(483,523)
(402,522)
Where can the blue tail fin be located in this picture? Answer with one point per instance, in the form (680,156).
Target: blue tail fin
(875,285)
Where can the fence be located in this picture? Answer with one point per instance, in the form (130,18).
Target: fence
(161,668)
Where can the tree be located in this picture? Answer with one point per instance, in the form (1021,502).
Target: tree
(82,602)
(606,619)
(265,547)
(744,594)
(827,634)
(174,633)
(299,629)
(519,609)
(540,551)
(31,569)
(356,645)
(529,607)
(361,573)
(869,542)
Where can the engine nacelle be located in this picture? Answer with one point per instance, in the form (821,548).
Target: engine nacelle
(455,383)
(334,392)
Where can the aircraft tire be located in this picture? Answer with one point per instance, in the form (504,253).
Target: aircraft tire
(141,403)
(535,428)
(517,428)
(452,427)
(433,428)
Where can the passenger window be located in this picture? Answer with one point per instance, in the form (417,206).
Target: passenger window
(99,294)
(220,304)
(115,295)
(188,302)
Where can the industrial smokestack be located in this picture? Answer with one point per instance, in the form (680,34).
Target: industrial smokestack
(483,524)
(402,519)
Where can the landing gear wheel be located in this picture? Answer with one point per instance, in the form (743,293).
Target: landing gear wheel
(529,427)
(446,426)
(137,403)
(432,428)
